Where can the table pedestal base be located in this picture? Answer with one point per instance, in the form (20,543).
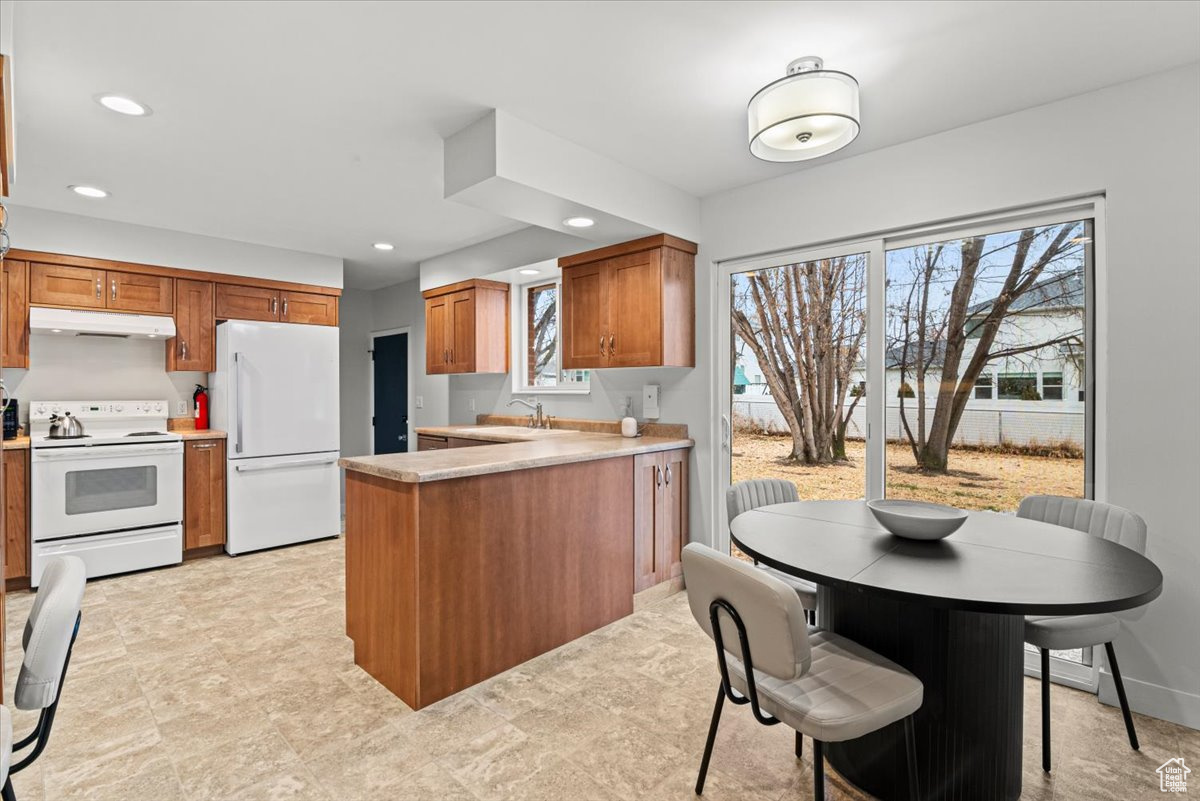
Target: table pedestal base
(968,730)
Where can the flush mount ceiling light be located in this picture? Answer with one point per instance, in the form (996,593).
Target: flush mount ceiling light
(384,246)
(579,222)
(124,105)
(528,271)
(88,191)
(809,113)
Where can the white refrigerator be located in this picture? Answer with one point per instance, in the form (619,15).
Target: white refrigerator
(275,393)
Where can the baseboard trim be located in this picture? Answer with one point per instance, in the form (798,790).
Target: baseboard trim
(1153,700)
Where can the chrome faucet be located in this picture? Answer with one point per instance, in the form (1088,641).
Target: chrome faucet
(541,422)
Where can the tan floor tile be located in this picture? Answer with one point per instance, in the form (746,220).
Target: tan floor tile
(449,725)
(222,772)
(499,763)
(374,767)
(628,759)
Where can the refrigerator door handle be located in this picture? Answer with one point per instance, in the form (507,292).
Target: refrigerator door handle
(237,382)
(254,468)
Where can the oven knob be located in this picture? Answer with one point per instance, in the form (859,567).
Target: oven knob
(41,410)
(119,408)
(158,407)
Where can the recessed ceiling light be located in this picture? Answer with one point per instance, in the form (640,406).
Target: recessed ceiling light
(384,246)
(528,271)
(579,222)
(55,330)
(88,191)
(124,105)
(151,336)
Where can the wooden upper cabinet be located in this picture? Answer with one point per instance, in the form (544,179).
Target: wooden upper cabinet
(138,292)
(308,308)
(14,297)
(630,305)
(238,302)
(64,285)
(194,345)
(466,328)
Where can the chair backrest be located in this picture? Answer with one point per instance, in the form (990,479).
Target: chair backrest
(755,492)
(49,632)
(770,610)
(1113,523)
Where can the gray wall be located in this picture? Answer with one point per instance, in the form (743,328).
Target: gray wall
(1061,150)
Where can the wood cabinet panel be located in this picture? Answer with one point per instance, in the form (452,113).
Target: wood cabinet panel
(136,292)
(239,302)
(463,442)
(61,285)
(437,347)
(194,345)
(204,493)
(462,332)
(635,313)
(14,297)
(645,521)
(674,513)
(308,308)
(660,490)
(427,443)
(584,320)
(16,514)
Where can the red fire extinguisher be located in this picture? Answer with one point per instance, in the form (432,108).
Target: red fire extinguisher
(200,398)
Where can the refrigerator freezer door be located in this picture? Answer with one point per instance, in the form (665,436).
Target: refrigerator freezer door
(279,500)
(276,388)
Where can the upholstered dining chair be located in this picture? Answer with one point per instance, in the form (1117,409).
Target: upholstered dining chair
(817,682)
(1114,524)
(48,640)
(753,493)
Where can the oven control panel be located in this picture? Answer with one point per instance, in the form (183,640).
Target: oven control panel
(98,410)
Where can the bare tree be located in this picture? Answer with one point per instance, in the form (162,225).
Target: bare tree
(927,332)
(543,328)
(805,324)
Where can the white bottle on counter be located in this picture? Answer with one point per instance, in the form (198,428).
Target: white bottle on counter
(629,427)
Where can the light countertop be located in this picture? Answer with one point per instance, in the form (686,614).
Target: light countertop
(520,449)
(208,433)
(17,444)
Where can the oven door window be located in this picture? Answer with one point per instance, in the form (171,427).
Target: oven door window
(111,489)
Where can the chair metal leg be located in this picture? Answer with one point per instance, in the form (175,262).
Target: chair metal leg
(7,793)
(712,738)
(1116,671)
(799,745)
(818,770)
(1045,709)
(910,750)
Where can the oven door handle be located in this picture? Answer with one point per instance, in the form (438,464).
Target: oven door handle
(255,468)
(80,452)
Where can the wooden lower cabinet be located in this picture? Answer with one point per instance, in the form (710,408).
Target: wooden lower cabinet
(660,510)
(428,443)
(203,493)
(16,517)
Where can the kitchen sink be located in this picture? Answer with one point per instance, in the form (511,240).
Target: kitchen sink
(521,430)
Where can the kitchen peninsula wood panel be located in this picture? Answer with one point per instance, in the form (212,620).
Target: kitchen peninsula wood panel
(442,592)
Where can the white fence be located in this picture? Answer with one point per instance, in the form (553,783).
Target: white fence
(985,424)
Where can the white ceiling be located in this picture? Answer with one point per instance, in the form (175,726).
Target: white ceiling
(317,126)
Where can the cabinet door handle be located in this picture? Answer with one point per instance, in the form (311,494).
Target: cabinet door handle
(114,289)
(274,305)
(452,355)
(183,348)
(205,445)
(658,479)
(285,307)
(98,282)
(445,356)
(602,344)
(668,475)
(611,348)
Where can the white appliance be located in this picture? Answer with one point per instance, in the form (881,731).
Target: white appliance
(113,497)
(74,323)
(275,393)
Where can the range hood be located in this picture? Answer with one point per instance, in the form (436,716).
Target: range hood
(74,323)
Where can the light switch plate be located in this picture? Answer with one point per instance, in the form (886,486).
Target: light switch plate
(420,402)
(181,408)
(470,404)
(650,401)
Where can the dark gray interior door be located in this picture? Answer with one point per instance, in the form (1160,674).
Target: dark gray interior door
(390,363)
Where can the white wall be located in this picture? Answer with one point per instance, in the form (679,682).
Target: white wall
(55,232)
(87,368)
(354,320)
(1137,143)
(398,306)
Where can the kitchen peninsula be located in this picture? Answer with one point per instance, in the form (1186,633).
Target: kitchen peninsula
(465,561)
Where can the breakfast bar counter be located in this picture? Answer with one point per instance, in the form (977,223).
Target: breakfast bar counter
(464,562)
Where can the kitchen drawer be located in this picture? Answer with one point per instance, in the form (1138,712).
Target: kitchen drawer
(428,443)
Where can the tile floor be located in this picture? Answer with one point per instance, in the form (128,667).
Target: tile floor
(231,679)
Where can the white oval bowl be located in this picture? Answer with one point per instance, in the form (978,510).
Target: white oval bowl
(917,520)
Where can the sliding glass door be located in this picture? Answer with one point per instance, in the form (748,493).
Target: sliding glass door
(952,365)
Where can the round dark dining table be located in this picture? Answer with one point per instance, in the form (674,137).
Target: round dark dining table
(951,612)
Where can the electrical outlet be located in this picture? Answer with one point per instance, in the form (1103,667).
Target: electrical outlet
(650,401)
(181,408)
(471,405)
(420,402)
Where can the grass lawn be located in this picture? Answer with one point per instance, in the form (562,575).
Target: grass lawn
(976,479)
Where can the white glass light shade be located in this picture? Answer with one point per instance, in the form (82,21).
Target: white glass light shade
(805,115)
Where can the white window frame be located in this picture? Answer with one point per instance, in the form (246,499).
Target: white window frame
(520,338)
(1092,207)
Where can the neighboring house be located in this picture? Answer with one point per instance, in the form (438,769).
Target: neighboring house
(1037,396)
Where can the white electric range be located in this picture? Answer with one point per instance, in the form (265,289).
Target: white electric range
(113,497)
